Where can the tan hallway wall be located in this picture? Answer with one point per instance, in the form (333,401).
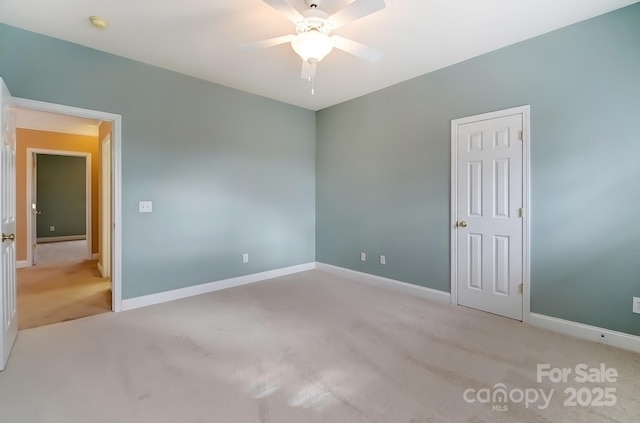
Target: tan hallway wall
(28,138)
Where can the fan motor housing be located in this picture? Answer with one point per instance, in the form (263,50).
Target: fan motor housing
(314,20)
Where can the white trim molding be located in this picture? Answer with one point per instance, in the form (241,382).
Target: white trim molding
(525,111)
(116,180)
(586,332)
(379,281)
(21,264)
(190,291)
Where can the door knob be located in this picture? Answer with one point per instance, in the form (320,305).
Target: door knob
(462,224)
(11,237)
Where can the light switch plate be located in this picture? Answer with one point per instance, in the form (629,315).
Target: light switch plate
(245,258)
(383,260)
(636,305)
(145,206)
(363,256)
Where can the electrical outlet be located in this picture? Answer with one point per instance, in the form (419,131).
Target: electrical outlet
(636,305)
(245,258)
(383,260)
(52,228)
(363,256)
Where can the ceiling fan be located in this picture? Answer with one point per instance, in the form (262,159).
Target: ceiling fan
(312,41)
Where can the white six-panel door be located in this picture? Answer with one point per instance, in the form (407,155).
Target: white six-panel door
(489,225)
(8,293)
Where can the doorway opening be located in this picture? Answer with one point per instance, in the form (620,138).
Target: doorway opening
(68,268)
(60,194)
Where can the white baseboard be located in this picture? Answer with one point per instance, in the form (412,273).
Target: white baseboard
(582,331)
(408,288)
(95,256)
(99,266)
(190,291)
(20,264)
(60,238)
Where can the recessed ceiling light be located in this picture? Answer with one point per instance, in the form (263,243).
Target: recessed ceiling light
(98,22)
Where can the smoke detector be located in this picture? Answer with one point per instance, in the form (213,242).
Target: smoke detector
(98,22)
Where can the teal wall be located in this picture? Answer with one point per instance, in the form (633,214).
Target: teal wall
(383,168)
(228,172)
(61,195)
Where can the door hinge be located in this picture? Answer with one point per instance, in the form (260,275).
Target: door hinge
(521,212)
(521,135)
(521,288)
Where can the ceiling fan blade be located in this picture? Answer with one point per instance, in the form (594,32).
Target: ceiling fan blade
(355,10)
(308,70)
(270,42)
(284,7)
(357,49)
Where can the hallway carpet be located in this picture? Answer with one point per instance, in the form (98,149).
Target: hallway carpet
(57,293)
(52,253)
(304,348)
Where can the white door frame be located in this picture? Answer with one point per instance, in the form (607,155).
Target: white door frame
(104,264)
(31,200)
(116,180)
(526,199)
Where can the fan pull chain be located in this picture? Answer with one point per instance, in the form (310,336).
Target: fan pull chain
(312,77)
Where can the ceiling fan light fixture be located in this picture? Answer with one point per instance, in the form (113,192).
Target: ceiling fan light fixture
(313,26)
(312,46)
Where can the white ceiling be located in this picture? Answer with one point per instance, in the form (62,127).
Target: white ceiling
(53,122)
(200,38)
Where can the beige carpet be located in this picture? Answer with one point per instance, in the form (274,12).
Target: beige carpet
(304,348)
(57,293)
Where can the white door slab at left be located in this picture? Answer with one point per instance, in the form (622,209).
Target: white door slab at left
(8,314)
